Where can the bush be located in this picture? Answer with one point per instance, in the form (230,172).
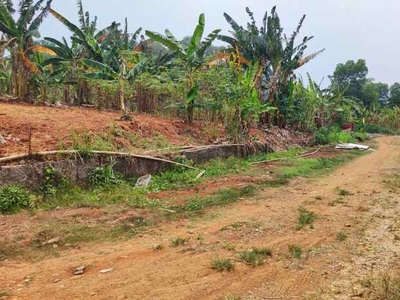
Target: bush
(377,129)
(13,198)
(103,176)
(334,135)
(52,181)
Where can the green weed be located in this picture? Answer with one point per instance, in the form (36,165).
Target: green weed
(341,236)
(13,198)
(295,251)
(343,192)
(223,264)
(305,218)
(256,256)
(179,241)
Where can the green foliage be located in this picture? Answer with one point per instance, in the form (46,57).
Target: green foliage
(305,218)
(256,256)
(295,251)
(394,99)
(223,265)
(343,192)
(13,198)
(352,76)
(341,236)
(179,241)
(334,135)
(52,182)
(103,176)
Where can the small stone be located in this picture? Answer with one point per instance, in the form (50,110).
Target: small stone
(57,280)
(80,270)
(190,231)
(105,271)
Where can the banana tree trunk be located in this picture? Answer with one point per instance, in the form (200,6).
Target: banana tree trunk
(190,105)
(66,93)
(19,77)
(122,97)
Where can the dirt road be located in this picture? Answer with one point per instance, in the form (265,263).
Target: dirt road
(328,269)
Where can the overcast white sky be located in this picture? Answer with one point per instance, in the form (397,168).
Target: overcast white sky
(348,29)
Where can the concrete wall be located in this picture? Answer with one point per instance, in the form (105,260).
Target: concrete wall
(31,175)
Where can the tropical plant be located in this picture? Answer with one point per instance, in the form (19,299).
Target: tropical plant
(277,56)
(119,74)
(243,105)
(191,55)
(19,33)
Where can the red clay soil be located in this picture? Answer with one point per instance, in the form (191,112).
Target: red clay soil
(52,126)
(328,268)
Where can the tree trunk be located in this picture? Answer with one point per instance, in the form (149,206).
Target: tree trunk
(122,97)
(19,77)
(190,105)
(66,93)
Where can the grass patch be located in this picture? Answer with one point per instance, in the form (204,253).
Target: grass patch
(305,218)
(223,265)
(256,256)
(343,192)
(179,241)
(221,197)
(295,251)
(341,236)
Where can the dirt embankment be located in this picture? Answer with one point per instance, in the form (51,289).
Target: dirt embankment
(52,127)
(329,268)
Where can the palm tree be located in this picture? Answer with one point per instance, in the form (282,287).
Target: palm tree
(192,55)
(19,33)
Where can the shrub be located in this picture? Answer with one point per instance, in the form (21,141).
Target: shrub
(52,181)
(333,135)
(13,198)
(103,176)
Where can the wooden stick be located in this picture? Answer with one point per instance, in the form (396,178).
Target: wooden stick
(23,156)
(30,141)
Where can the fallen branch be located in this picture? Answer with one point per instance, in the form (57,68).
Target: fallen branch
(286,158)
(48,153)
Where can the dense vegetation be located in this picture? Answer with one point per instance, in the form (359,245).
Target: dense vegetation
(251,81)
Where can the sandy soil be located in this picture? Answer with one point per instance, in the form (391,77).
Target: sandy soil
(329,269)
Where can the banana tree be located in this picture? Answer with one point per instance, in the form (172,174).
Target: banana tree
(278,56)
(101,46)
(65,64)
(192,55)
(19,33)
(124,72)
